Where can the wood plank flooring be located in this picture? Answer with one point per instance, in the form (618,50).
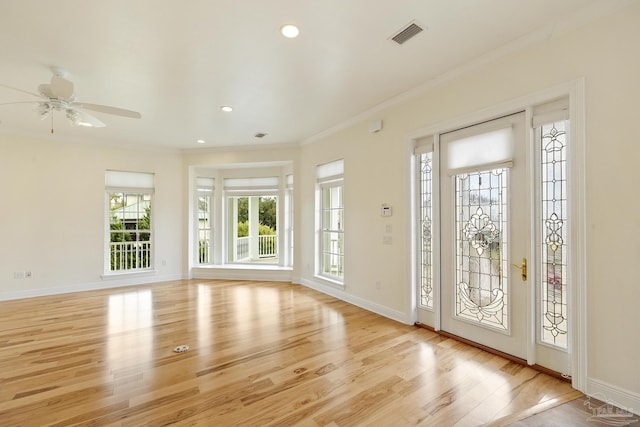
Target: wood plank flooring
(582,411)
(261,354)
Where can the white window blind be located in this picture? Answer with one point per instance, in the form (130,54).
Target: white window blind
(552,111)
(205,184)
(479,147)
(330,171)
(423,145)
(135,180)
(265,183)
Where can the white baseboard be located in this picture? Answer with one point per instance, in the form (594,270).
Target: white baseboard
(396,315)
(107,283)
(623,399)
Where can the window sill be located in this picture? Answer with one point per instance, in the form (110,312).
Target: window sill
(120,275)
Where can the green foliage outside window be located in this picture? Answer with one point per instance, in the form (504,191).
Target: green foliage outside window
(133,250)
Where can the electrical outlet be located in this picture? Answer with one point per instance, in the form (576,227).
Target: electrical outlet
(378,285)
(18,275)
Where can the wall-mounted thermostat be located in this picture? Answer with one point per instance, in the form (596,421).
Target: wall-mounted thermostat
(385,210)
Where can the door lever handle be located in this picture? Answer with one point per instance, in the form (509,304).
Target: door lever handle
(523,269)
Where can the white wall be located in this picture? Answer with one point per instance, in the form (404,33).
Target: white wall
(53,210)
(605,53)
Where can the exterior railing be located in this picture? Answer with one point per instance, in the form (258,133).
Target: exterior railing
(267,247)
(130,255)
(203,251)
(242,248)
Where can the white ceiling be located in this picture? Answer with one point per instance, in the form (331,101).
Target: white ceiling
(178,61)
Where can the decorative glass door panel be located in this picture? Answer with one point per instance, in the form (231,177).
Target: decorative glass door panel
(426,215)
(481,294)
(553,238)
(554,234)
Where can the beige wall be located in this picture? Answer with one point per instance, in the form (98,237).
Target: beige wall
(53,213)
(605,54)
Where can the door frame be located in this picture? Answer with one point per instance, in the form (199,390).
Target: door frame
(576,171)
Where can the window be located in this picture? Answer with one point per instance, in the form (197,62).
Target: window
(129,219)
(242,216)
(205,188)
(331,221)
(552,137)
(252,224)
(424,159)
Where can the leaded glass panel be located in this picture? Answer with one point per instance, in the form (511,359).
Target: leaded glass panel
(554,234)
(426,255)
(481,248)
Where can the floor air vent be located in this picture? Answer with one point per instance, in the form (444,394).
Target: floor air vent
(406,33)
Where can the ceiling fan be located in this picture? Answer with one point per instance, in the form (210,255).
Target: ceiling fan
(59,96)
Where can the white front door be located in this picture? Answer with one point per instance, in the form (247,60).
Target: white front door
(485,234)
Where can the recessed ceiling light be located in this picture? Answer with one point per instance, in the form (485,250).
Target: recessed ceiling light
(201,141)
(290,31)
(226,108)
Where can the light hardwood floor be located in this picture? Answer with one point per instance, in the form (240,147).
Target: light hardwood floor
(261,354)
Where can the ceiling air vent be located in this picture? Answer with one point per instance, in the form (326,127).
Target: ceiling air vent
(407,33)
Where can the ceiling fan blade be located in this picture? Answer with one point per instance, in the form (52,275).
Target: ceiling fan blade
(20,90)
(21,102)
(61,88)
(80,118)
(43,108)
(108,110)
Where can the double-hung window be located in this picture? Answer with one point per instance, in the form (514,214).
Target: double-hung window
(129,201)
(330,182)
(205,188)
